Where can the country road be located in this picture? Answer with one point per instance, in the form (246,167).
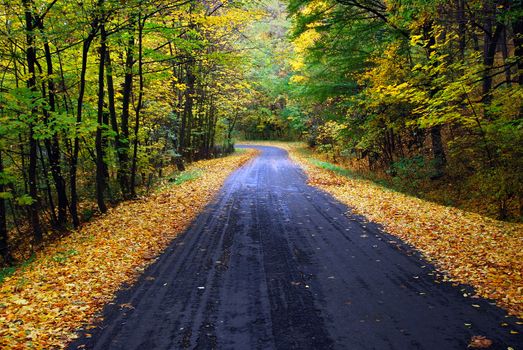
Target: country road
(273,263)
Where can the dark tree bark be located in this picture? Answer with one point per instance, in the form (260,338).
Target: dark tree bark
(178,159)
(460,18)
(119,145)
(505,53)
(123,152)
(53,145)
(517,29)
(138,108)
(33,156)
(4,242)
(493,31)
(187,117)
(438,151)
(79,109)
(99,143)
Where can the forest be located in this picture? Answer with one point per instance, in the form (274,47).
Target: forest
(101,99)
(276,174)
(424,97)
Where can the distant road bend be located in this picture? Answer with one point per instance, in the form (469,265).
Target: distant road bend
(276,264)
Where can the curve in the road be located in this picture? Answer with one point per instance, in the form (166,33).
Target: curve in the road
(276,264)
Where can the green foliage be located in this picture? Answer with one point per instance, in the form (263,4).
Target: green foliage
(6,272)
(184,176)
(77,134)
(417,99)
(10,270)
(24,200)
(61,257)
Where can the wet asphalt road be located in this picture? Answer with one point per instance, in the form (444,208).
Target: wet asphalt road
(276,264)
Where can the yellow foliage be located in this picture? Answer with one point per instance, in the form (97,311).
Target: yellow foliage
(42,304)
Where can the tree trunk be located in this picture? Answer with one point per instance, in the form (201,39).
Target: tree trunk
(490,43)
(79,109)
(438,151)
(517,32)
(187,119)
(33,156)
(460,18)
(138,108)
(120,152)
(124,169)
(4,246)
(53,145)
(100,154)
(517,28)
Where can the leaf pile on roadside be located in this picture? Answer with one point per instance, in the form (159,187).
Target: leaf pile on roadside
(66,285)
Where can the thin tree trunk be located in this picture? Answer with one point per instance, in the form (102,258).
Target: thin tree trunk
(53,145)
(79,109)
(100,154)
(52,208)
(493,30)
(187,119)
(438,151)
(504,51)
(33,156)
(138,108)
(460,17)
(122,179)
(124,169)
(517,32)
(4,239)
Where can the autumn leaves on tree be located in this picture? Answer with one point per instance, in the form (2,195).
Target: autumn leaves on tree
(98,97)
(423,95)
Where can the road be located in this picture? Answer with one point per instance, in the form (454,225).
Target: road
(276,264)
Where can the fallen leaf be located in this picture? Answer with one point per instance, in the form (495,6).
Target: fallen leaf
(479,342)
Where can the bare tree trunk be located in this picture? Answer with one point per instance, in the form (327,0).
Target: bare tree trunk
(120,152)
(493,30)
(141,24)
(438,151)
(4,245)
(53,145)
(33,156)
(187,119)
(124,168)
(79,109)
(100,154)
(504,51)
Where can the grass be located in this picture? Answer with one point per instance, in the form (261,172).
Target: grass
(308,154)
(240,150)
(333,167)
(185,176)
(178,178)
(10,270)
(6,272)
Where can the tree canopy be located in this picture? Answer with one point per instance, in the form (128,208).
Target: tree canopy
(100,98)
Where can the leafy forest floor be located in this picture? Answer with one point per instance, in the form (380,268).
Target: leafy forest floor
(68,282)
(467,248)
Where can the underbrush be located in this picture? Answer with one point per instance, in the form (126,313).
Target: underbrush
(414,176)
(21,240)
